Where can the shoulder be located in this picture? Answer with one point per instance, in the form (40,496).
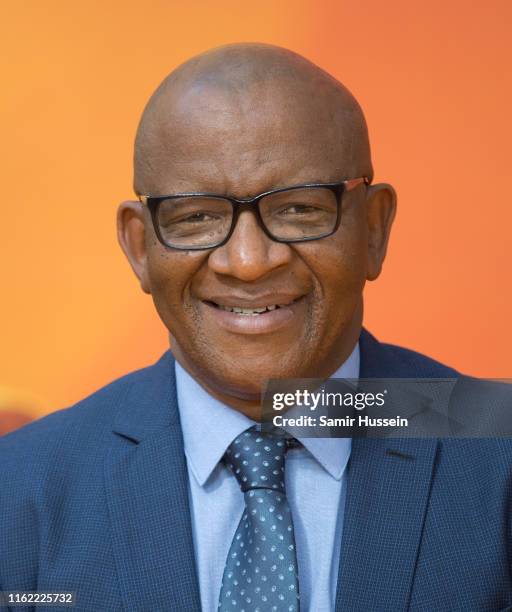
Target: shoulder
(53,468)
(482,406)
(382,360)
(74,431)
(422,363)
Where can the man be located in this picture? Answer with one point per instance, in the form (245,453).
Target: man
(159,492)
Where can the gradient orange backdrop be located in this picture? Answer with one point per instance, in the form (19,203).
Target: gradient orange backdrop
(434,79)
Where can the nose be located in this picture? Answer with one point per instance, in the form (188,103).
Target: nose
(249,254)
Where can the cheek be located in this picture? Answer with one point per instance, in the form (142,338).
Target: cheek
(170,274)
(339,267)
(349,253)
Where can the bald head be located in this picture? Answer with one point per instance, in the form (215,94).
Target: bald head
(249,104)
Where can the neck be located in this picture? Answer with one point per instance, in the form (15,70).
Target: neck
(250,404)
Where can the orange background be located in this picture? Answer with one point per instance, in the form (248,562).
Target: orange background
(434,80)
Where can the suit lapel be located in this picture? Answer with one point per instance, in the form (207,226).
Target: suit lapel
(387,494)
(388,485)
(147,495)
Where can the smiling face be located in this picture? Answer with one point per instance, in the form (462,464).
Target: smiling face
(255,309)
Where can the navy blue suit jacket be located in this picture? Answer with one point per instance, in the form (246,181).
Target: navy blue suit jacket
(94,499)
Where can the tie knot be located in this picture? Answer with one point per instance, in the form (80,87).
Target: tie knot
(257,460)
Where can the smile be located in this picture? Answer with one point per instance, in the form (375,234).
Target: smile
(260,317)
(251,311)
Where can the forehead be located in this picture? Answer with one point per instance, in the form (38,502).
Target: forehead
(242,143)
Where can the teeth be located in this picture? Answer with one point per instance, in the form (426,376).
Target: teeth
(248,311)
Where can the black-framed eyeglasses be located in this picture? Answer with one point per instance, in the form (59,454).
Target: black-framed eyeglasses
(196,221)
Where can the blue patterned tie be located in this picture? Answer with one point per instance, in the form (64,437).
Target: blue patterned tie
(261,569)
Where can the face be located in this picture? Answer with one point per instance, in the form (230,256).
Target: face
(311,291)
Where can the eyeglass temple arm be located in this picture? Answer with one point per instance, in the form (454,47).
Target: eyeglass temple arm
(349,185)
(352,183)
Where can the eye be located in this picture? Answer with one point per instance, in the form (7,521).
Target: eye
(197,217)
(298,209)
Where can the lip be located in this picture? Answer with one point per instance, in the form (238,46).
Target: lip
(264,323)
(262,301)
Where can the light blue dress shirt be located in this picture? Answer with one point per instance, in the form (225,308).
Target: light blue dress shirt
(315,481)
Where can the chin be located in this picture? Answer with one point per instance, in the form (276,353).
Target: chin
(243,369)
(247,382)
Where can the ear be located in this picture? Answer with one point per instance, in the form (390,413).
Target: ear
(131,236)
(380,213)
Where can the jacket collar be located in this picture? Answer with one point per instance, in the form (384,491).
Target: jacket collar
(150,402)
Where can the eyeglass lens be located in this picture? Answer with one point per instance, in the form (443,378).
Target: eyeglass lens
(201,221)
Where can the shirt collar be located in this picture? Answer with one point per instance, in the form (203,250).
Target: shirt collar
(333,453)
(209,426)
